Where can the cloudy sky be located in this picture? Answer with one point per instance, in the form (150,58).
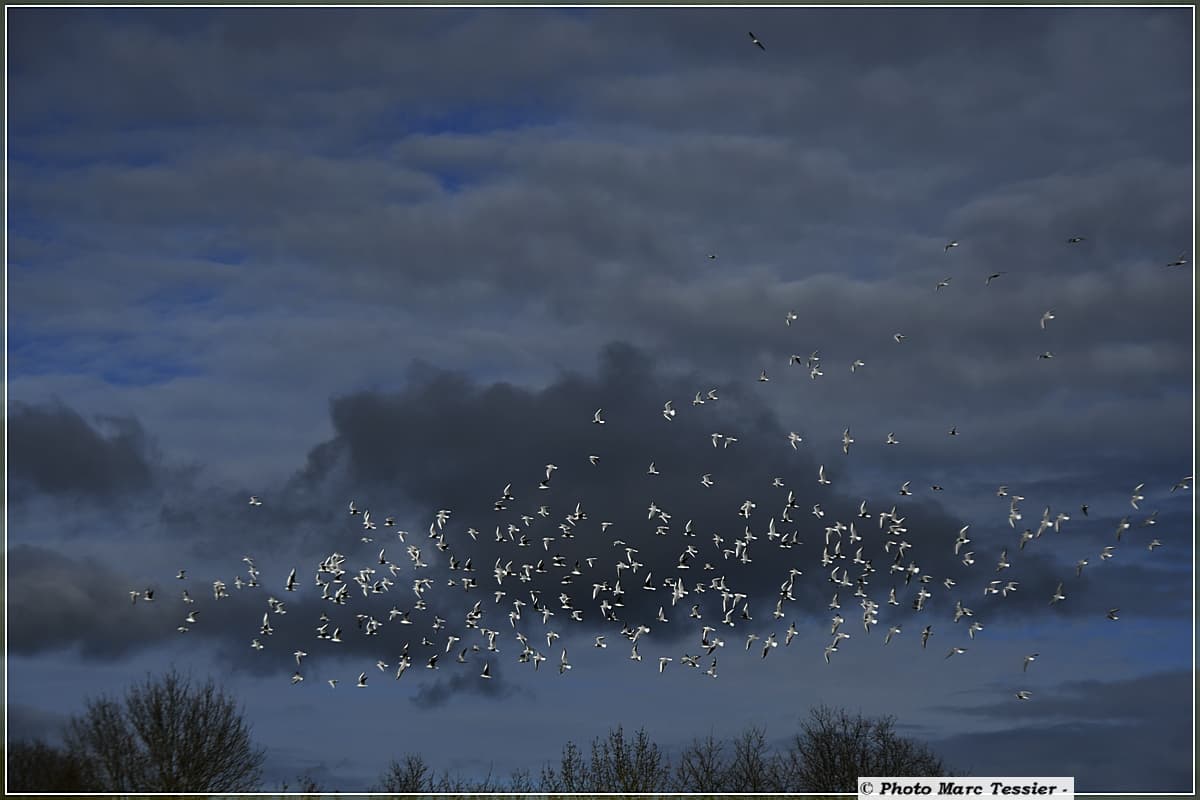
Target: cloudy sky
(401,256)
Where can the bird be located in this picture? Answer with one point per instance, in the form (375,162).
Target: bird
(941,284)
(487,670)
(1075,240)
(1184,484)
(754,39)
(1058,595)
(706,479)
(362,680)
(899,337)
(1179,262)
(1112,614)
(846,441)
(1028,660)
(789,318)
(1023,695)
(925,634)
(596,418)
(891,439)
(856,363)
(1046,317)
(668,411)
(988,280)
(1136,496)
(950,244)
(1047,355)
(762,377)
(794,439)
(821,479)
(956,651)
(652,470)
(712,256)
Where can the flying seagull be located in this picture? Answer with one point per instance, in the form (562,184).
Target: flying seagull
(1179,262)
(1075,240)
(988,280)
(754,39)
(949,244)
(1049,315)
(596,418)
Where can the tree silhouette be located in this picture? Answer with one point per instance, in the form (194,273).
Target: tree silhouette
(834,748)
(35,766)
(166,736)
(618,764)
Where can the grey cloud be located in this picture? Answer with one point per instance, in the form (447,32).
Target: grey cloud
(53,449)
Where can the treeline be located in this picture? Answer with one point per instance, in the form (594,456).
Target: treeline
(168,735)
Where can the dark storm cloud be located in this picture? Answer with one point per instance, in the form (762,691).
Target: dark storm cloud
(56,602)
(55,450)
(433,694)
(1068,731)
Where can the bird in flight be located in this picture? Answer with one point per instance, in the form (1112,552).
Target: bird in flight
(596,418)
(988,280)
(1049,315)
(754,39)
(1075,240)
(941,284)
(949,244)
(1179,262)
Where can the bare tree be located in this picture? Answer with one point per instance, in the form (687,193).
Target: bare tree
(834,748)
(167,736)
(628,767)
(617,764)
(408,776)
(702,766)
(35,766)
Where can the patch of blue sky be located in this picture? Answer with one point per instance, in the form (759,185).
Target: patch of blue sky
(109,356)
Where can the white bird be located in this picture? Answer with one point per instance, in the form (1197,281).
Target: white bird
(1058,595)
(846,441)
(891,439)
(956,651)
(487,670)
(1179,262)
(1023,695)
(988,280)
(856,363)
(821,479)
(1049,315)
(668,411)
(1136,496)
(790,318)
(254,501)
(291,581)
(652,469)
(899,337)
(1112,614)
(754,39)
(762,377)
(698,400)
(1028,660)
(1046,355)
(1184,483)
(794,438)
(362,680)
(941,284)
(949,244)
(706,479)
(596,418)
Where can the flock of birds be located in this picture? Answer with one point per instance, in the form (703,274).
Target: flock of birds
(512,608)
(596,585)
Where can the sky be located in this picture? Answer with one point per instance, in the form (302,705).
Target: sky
(401,256)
